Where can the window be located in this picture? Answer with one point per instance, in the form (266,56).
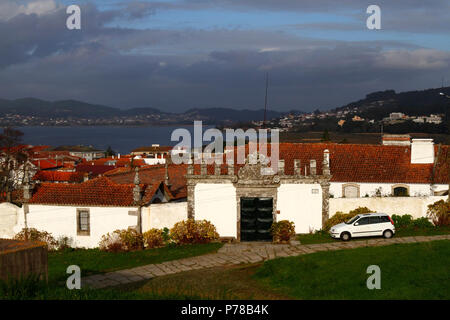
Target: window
(373,220)
(83,222)
(350,191)
(401,192)
(363,221)
(384,219)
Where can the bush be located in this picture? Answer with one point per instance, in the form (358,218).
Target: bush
(64,243)
(154,238)
(282,230)
(403,221)
(422,223)
(121,240)
(191,231)
(36,235)
(340,217)
(439,213)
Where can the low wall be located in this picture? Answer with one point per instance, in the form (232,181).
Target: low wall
(8,219)
(21,258)
(163,215)
(415,206)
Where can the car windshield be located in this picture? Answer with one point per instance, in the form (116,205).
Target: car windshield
(352,220)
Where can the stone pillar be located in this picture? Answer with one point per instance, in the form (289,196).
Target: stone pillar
(191,200)
(312,167)
(325,201)
(203,168)
(230,167)
(217,169)
(326,163)
(297,167)
(281,167)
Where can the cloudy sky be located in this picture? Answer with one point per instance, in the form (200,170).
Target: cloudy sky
(180,54)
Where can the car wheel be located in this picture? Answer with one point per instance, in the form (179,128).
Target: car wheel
(388,234)
(345,236)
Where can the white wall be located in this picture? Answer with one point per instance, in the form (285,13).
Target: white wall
(8,219)
(61,221)
(299,204)
(217,204)
(415,206)
(163,215)
(415,190)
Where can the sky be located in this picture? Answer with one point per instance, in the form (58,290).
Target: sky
(175,55)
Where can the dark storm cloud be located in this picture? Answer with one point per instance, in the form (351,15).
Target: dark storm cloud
(179,69)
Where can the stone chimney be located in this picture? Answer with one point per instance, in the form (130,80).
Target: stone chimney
(26,185)
(137,197)
(422,151)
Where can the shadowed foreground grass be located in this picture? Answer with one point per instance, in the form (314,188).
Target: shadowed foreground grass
(93,261)
(408,271)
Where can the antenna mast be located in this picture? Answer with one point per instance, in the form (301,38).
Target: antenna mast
(265,100)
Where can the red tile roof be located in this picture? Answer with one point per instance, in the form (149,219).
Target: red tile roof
(59,176)
(154,174)
(47,163)
(100,191)
(94,170)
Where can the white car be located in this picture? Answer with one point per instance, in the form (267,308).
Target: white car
(364,225)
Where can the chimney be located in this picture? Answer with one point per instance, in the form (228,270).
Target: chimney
(396,140)
(422,151)
(137,188)
(26,185)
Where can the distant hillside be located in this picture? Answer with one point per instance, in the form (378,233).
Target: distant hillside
(378,105)
(73,109)
(220,114)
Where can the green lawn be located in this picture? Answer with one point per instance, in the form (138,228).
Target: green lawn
(323,237)
(93,261)
(408,271)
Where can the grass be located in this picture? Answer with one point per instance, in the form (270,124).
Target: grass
(408,271)
(324,237)
(92,261)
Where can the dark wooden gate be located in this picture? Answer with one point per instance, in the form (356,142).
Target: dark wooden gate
(256,219)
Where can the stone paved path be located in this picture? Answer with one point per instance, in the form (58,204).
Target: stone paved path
(233,254)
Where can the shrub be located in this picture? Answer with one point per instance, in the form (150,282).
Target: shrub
(403,221)
(282,230)
(422,223)
(36,235)
(131,239)
(112,242)
(153,238)
(340,217)
(439,213)
(191,231)
(64,243)
(121,240)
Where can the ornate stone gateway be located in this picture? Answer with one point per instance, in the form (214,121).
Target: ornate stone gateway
(256,219)
(256,188)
